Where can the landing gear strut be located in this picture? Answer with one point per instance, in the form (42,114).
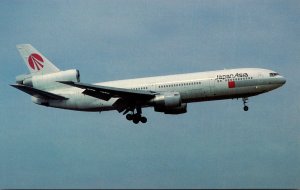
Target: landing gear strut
(136,117)
(245,101)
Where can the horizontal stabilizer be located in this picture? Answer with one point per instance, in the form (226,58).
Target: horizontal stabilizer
(38,93)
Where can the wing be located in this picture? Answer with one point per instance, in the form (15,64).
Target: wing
(127,98)
(105,92)
(38,93)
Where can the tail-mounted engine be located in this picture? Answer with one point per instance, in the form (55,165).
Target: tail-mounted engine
(48,80)
(169,103)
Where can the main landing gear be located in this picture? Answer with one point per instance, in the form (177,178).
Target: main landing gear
(136,117)
(245,101)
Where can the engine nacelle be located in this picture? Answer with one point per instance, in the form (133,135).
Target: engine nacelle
(177,110)
(21,78)
(169,103)
(48,81)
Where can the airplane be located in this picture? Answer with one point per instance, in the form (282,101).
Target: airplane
(49,86)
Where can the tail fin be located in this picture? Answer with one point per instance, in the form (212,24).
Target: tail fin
(36,62)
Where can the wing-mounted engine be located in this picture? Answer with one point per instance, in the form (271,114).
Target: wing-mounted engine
(48,81)
(169,103)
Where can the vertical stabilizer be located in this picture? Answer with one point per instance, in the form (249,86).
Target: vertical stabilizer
(36,62)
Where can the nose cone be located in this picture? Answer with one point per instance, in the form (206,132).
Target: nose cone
(281,80)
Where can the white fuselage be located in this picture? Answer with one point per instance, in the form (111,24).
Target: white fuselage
(193,87)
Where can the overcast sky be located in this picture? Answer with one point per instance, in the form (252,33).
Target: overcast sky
(214,145)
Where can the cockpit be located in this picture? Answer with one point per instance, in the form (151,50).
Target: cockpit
(274,74)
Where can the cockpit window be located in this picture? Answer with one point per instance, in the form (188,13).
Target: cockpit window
(273,74)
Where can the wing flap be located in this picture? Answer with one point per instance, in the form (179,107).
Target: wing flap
(38,93)
(95,94)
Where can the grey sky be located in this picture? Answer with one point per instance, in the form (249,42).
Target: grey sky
(214,145)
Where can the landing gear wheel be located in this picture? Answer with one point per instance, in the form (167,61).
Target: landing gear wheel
(129,117)
(136,119)
(246,108)
(143,119)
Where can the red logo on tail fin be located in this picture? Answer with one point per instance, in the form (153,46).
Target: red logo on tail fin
(35,61)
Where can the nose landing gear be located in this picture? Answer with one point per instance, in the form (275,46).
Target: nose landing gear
(245,101)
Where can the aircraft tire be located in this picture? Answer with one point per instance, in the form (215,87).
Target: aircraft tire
(136,120)
(129,117)
(246,108)
(143,119)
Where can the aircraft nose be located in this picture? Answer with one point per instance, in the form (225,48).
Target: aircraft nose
(282,80)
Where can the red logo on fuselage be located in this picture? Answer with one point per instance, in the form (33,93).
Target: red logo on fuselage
(231,84)
(35,61)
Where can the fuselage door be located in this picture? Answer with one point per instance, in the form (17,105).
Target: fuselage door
(260,78)
(212,85)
